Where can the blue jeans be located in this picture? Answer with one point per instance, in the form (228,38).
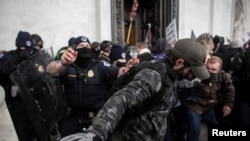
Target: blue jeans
(194,122)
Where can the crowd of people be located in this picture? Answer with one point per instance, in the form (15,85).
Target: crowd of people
(131,92)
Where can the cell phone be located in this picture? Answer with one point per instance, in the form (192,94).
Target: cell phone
(73,46)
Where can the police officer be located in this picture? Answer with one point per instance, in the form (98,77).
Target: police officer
(105,48)
(38,41)
(8,62)
(84,84)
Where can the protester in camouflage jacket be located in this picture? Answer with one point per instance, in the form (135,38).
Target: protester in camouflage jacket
(186,58)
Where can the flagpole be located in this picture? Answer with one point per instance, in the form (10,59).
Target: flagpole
(129,30)
(132,15)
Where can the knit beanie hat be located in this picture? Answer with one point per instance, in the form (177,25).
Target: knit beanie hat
(24,39)
(116,52)
(71,41)
(81,39)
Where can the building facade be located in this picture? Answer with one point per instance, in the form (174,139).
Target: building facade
(57,20)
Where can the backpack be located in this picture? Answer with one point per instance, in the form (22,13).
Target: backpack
(148,104)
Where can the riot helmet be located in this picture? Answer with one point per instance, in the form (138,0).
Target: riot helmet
(106,45)
(130,52)
(37,40)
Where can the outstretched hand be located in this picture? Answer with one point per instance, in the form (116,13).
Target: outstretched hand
(129,65)
(69,56)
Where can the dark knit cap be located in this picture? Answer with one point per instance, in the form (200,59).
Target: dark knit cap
(24,39)
(216,39)
(71,41)
(116,52)
(81,39)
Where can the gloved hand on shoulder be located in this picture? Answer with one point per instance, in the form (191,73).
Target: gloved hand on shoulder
(196,82)
(189,83)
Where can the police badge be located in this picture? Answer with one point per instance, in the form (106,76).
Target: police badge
(90,73)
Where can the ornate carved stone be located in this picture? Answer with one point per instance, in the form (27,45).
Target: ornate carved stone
(238,20)
(117,19)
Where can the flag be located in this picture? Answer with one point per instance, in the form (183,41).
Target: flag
(171,33)
(148,37)
(193,35)
(134,8)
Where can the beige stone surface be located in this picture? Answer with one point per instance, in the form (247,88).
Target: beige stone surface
(7,130)
(203,135)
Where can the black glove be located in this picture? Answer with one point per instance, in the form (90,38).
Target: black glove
(189,83)
(197,84)
(81,137)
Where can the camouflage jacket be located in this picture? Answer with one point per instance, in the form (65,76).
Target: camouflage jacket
(151,125)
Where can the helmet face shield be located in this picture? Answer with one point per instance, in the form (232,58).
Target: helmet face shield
(133,54)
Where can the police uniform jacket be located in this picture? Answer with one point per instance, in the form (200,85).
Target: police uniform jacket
(85,88)
(8,63)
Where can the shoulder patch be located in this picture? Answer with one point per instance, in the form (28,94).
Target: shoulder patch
(1,55)
(107,64)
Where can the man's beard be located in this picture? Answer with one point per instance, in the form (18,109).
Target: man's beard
(180,74)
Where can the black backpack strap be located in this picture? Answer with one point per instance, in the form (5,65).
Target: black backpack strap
(124,79)
(150,103)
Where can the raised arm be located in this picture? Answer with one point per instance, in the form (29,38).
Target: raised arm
(55,67)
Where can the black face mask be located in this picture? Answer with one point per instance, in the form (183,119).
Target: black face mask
(213,77)
(83,57)
(25,54)
(120,64)
(84,52)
